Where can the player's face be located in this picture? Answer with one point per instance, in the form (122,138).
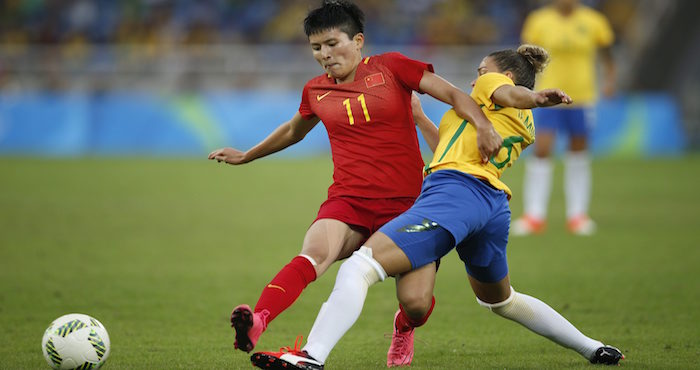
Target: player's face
(487,65)
(337,53)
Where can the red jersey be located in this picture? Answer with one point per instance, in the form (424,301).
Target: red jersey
(370,127)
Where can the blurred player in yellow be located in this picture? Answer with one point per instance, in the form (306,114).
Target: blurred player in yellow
(574,35)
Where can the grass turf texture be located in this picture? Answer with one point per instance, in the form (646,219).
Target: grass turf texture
(161,250)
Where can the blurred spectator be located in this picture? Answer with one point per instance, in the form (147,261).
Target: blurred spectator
(262,21)
(123,43)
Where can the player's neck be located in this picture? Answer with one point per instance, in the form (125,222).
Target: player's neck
(350,76)
(565,11)
(347,79)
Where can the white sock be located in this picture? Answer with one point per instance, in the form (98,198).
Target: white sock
(537,186)
(344,305)
(577,183)
(543,320)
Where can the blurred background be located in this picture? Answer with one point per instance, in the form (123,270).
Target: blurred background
(108,206)
(175,77)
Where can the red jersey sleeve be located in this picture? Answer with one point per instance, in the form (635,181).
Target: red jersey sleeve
(304,106)
(408,71)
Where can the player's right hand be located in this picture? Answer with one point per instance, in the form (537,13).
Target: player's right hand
(551,97)
(228,155)
(488,141)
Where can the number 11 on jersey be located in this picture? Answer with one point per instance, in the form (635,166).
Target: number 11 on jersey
(348,108)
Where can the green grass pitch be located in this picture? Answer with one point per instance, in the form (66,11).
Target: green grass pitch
(161,250)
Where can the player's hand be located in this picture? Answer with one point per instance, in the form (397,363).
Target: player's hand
(550,97)
(488,141)
(228,155)
(416,107)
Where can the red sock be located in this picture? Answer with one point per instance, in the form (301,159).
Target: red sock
(286,287)
(404,323)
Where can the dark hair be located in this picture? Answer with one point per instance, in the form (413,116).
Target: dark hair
(524,63)
(345,16)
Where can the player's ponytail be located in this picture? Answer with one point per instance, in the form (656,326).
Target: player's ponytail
(524,63)
(535,55)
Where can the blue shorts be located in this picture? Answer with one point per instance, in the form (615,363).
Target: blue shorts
(458,210)
(571,121)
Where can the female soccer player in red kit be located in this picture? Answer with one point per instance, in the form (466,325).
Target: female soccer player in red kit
(365,105)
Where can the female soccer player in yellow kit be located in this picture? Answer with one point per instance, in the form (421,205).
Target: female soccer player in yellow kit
(573,34)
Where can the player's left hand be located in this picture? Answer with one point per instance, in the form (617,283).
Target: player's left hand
(416,107)
(550,97)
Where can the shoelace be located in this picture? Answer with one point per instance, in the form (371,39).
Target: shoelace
(401,339)
(297,346)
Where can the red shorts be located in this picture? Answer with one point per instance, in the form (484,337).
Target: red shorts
(366,213)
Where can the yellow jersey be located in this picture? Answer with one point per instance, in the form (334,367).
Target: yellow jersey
(572,42)
(457,148)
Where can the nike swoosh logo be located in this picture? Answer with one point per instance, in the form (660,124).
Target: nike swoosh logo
(276,287)
(319,97)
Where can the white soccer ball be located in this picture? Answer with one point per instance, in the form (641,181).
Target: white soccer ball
(75,341)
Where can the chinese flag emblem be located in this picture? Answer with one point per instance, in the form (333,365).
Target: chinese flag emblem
(374,80)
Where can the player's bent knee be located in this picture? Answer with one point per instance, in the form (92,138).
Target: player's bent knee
(374,272)
(416,304)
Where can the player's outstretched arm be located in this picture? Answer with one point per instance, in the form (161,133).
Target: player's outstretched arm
(427,127)
(488,140)
(288,133)
(523,98)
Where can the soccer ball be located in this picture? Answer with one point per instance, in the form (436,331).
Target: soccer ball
(75,341)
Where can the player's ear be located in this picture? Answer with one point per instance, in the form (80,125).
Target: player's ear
(359,40)
(509,74)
